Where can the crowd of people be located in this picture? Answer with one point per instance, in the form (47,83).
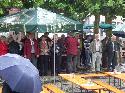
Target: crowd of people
(71,52)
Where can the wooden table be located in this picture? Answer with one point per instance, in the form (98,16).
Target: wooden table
(83,83)
(119,76)
(109,87)
(92,75)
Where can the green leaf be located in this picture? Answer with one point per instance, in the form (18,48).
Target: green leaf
(1,11)
(110,3)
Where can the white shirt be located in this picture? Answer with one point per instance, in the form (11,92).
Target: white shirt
(32,44)
(113,46)
(97,45)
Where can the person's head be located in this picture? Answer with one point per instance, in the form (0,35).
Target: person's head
(56,37)
(31,36)
(77,35)
(113,38)
(63,36)
(46,34)
(10,39)
(43,38)
(22,35)
(3,38)
(70,34)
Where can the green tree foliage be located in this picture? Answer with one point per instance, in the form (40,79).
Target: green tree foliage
(75,9)
(109,8)
(71,8)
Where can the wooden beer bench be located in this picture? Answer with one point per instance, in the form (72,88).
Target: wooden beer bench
(52,88)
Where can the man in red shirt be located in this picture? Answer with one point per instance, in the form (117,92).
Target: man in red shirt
(71,44)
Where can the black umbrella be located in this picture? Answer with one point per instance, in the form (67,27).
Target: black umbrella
(119,33)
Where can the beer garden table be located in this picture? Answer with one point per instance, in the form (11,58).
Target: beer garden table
(83,83)
(116,75)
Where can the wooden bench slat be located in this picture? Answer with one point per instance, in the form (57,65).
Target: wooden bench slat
(109,87)
(92,75)
(53,88)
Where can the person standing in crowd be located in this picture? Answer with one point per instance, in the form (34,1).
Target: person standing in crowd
(3,45)
(82,56)
(104,53)
(72,52)
(87,53)
(46,34)
(58,55)
(14,47)
(120,46)
(79,52)
(44,56)
(63,60)
(48,39)
(21,42)
(112,51)
(96,50)
(31,49)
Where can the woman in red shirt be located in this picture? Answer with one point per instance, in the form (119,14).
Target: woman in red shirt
(3,45)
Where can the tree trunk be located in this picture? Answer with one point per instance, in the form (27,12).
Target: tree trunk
(96,23)
(108,20)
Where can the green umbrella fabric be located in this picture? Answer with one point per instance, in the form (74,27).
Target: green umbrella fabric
(88,26)
(102,26)
(120,27)
(42,20)
(106,26)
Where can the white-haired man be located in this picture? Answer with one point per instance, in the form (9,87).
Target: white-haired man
(96,50)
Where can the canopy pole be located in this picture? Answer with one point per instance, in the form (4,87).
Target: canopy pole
(75,26)
(54,57)
(47,28)
(24,27)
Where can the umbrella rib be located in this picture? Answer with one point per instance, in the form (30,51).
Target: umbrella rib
(29,21)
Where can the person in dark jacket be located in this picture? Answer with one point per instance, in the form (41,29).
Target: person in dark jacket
(112,51)
(14,47)
(58,55)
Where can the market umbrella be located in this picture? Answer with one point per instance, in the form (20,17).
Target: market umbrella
(120,27)
(102,26)
(40,19)
(119,33)
(20,74)
(119,30)
(88,26)
(106,26)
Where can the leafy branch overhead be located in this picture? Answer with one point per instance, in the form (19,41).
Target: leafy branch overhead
(75,9)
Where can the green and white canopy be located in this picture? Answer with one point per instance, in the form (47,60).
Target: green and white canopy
(38,19)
